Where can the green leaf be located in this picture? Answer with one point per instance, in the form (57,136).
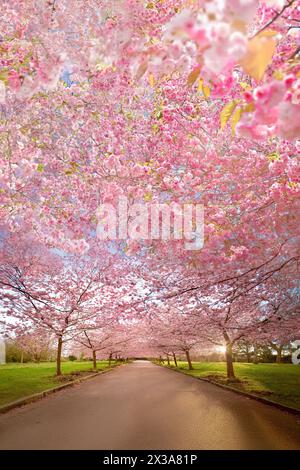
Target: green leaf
(236,116)
(227,112)
(204,89)
(4,76)
(273,157)
(193,76)
(261,50)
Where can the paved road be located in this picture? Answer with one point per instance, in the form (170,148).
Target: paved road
(143,406)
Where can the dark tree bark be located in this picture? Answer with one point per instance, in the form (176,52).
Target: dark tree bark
(228,356)
(168,359)
(229,361)
(109,360)
(94,360)
(175,359)
(58,356)
(279,354)
(255,357)
(248,353)
(188,358)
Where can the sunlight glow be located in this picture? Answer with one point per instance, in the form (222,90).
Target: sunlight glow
(221,349)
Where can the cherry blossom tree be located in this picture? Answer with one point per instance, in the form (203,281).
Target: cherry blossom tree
(109,338)
(63,303)
(36,343)
(172,102)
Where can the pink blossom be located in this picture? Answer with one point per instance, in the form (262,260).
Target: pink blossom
(289,121)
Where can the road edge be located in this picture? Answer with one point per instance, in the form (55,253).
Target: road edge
(266,401)
(38,396)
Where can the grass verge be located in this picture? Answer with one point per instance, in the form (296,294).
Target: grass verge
(21,380)
(279,383)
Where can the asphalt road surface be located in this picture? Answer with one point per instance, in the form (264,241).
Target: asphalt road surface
(143,406)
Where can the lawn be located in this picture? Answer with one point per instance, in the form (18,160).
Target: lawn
(277,382)
(21,380)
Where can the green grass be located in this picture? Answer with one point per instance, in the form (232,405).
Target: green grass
(277,382)
(21,380)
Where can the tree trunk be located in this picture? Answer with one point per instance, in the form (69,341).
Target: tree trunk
(175,360)
(22,357)
(229,361)
(168,359)
(279,354)
(109,360)
(188,358)
(94,361)
(58,356)
(248,353)
(255,357)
